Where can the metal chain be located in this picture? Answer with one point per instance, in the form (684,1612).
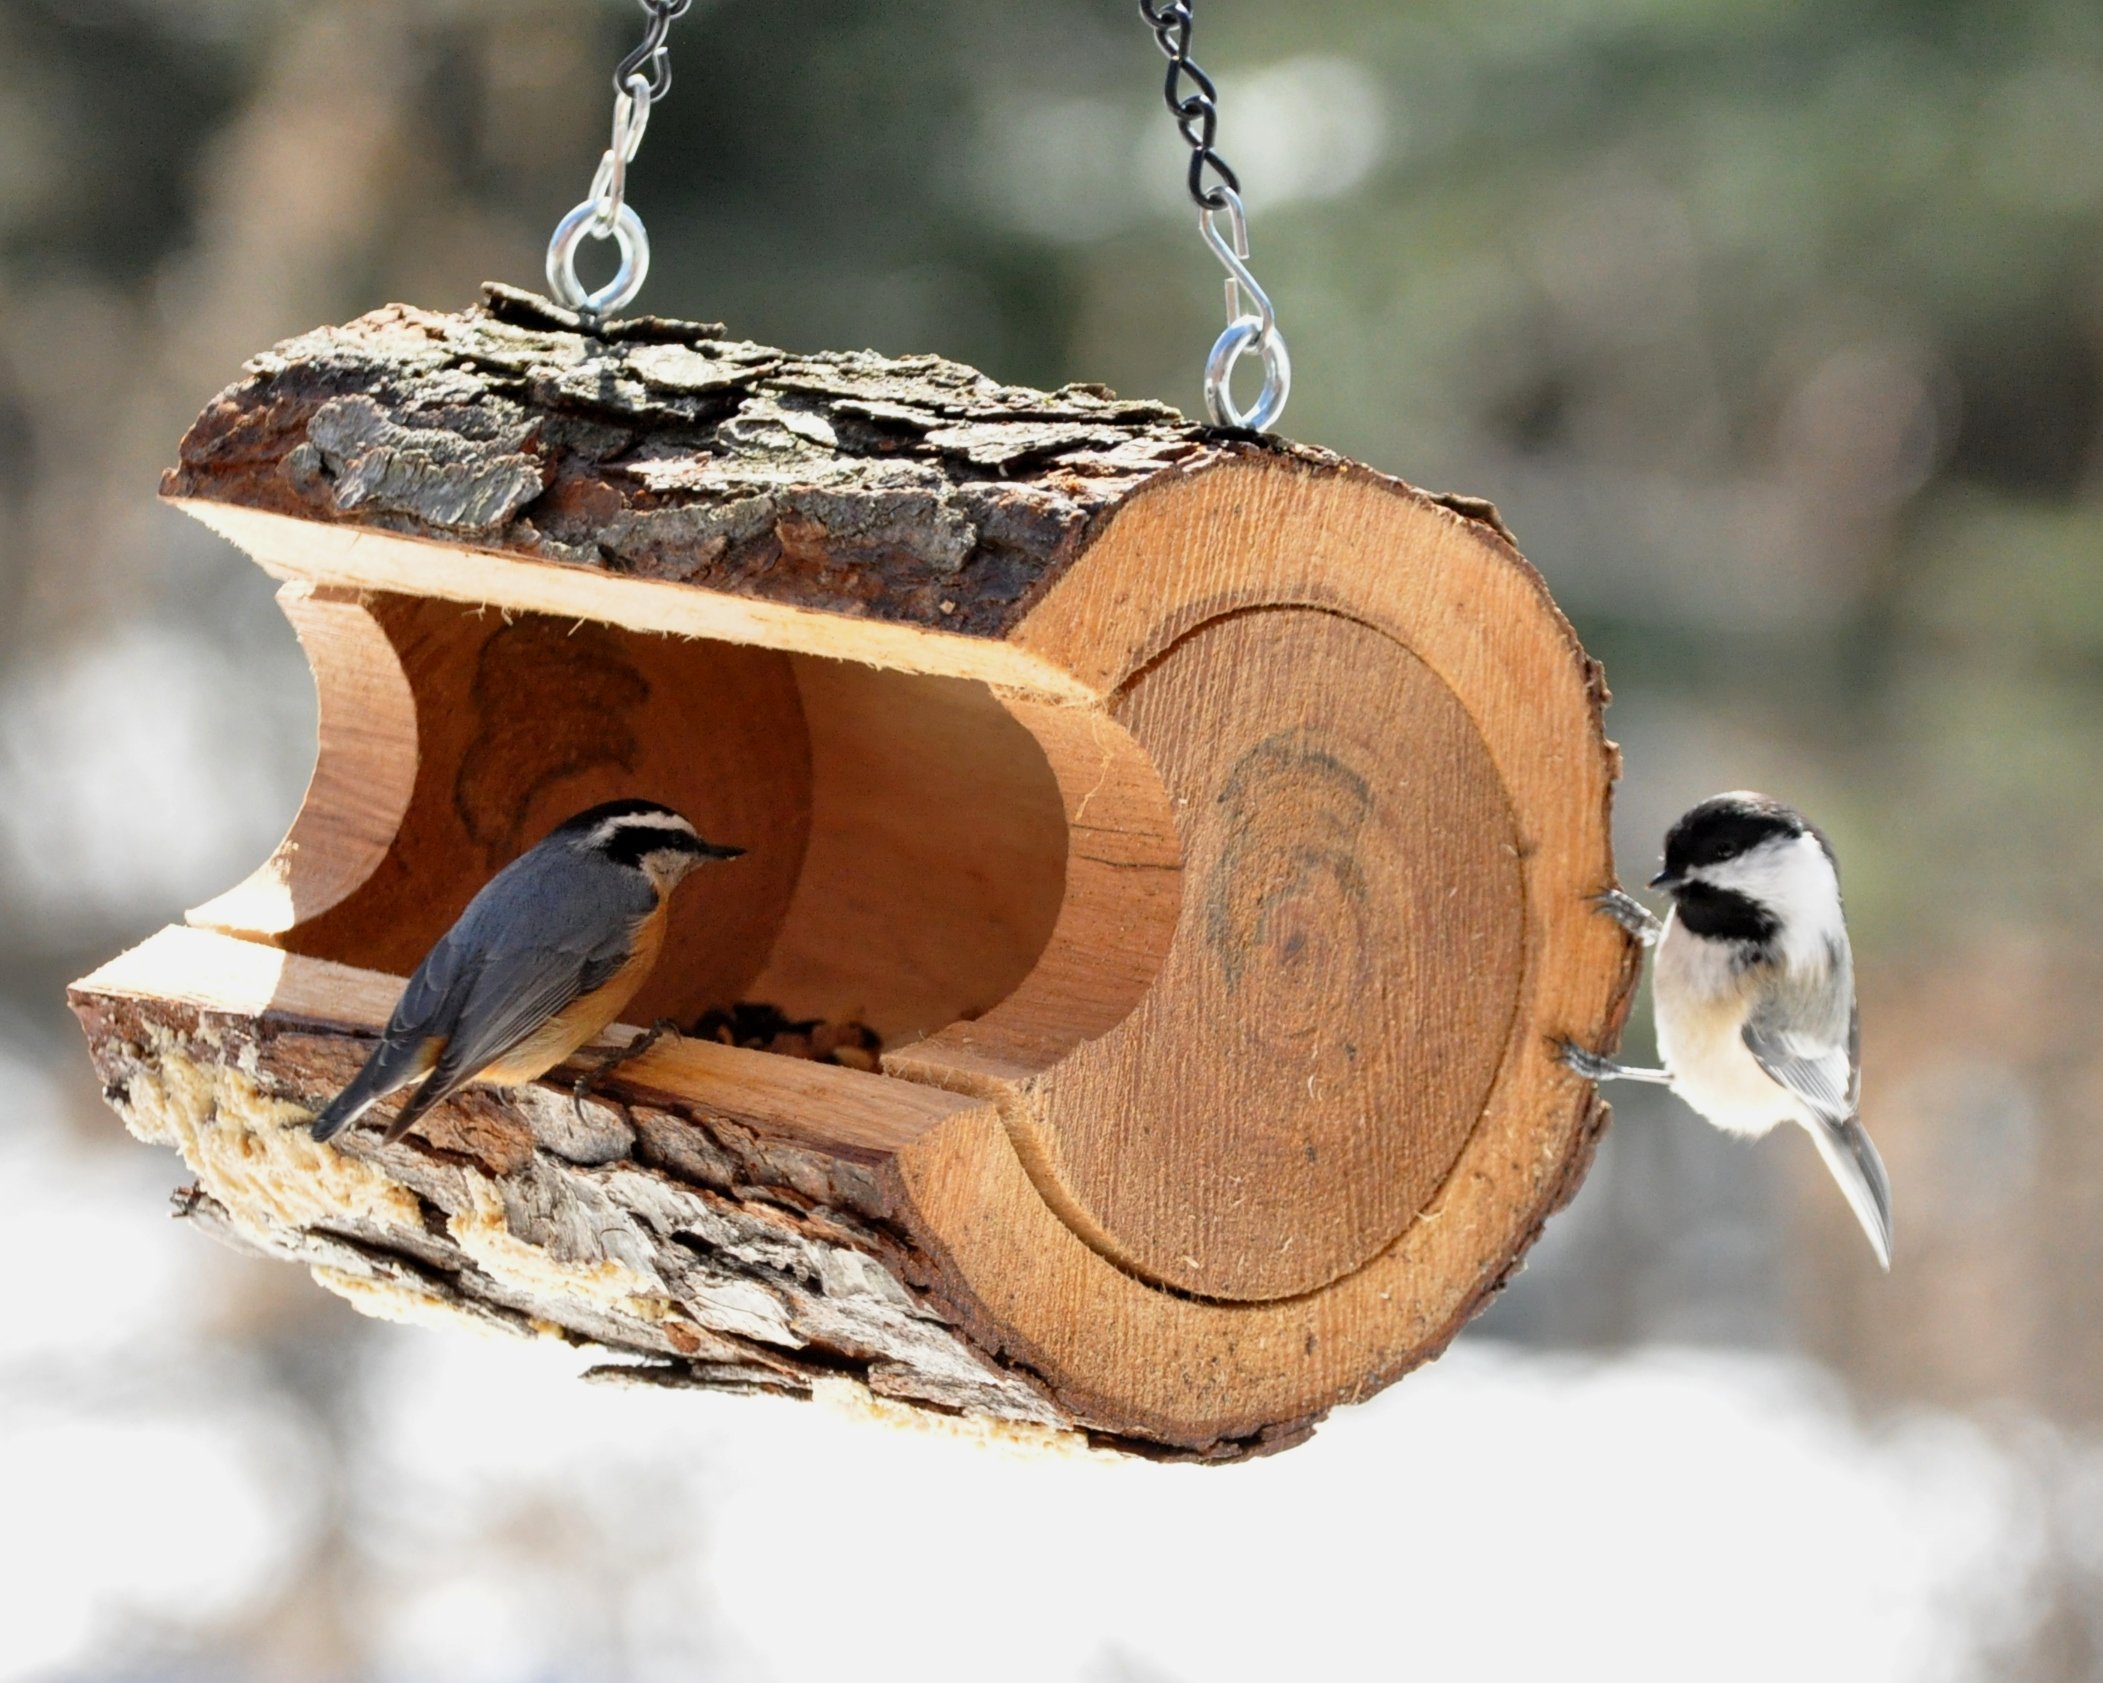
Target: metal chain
(1197,111)
(653,52)
(1252,324)
(639,81)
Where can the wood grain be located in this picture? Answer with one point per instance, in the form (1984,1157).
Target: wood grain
(937,858)
(521,720)
(1207,547)
(1320,1042)
(364,770)
(1208,824)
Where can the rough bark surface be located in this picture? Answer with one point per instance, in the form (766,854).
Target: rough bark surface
(711,1256)
(911,489)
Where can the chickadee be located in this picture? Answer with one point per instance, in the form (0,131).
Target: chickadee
(1754,986)
(544,957)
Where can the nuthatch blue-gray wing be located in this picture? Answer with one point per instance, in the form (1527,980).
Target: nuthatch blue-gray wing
(545,956)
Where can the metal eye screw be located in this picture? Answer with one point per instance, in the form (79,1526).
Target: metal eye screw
(1251,322)
(570,232)
(644,77)
(1193,101)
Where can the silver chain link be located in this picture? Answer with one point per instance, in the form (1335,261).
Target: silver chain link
(642,78)
(1252,324)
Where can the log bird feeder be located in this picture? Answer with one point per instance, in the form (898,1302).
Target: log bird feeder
(1204,825)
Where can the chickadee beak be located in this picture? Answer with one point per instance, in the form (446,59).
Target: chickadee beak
(1667,878)
(709,850)
(1854,1163)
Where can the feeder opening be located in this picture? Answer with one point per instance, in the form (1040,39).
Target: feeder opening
(905,834)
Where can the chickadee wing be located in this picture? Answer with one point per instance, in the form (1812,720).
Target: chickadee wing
(1803,1030)
(1854,1054)
(1806,1033)
(1819,1075)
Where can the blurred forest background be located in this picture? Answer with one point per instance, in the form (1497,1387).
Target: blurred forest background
(1775,329)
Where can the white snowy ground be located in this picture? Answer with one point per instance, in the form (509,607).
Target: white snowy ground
(1666,1514)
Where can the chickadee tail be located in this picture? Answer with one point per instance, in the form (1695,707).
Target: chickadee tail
(1852,1160)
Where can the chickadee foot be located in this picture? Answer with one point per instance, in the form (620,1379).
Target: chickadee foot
(618,1056)
(1595,1067)
(1635,917)
(1590,1065)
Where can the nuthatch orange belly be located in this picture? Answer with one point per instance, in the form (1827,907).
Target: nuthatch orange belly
(545,956)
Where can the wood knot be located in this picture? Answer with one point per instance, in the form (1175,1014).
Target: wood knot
(1327,1027)
(1286,903)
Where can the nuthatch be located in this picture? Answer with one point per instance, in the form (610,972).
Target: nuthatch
(544,957)
(1755,989)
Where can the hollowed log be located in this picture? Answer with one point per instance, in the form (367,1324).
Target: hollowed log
(1206,826)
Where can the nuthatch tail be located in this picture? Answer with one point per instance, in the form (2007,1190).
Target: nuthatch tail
(548,954)
(1755,989)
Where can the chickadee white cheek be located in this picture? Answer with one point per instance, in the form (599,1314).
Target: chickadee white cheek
(1796,882)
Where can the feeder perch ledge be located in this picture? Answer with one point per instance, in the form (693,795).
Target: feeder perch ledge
(1204,824)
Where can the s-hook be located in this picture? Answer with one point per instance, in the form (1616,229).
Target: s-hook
(1251,321)
(641,79)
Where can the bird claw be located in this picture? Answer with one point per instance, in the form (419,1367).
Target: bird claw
(1633,916)
(1590,1065)
(1596,1066)
(618,1056)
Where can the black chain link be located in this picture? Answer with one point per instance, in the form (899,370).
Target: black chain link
(653,51)
(1193,101)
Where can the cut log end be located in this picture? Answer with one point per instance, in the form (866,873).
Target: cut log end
(1205,831)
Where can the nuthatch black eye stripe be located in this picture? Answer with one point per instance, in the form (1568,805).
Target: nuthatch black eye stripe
(631,844)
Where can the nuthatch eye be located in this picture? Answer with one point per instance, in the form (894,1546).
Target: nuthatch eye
(1755,989)
(547,955)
